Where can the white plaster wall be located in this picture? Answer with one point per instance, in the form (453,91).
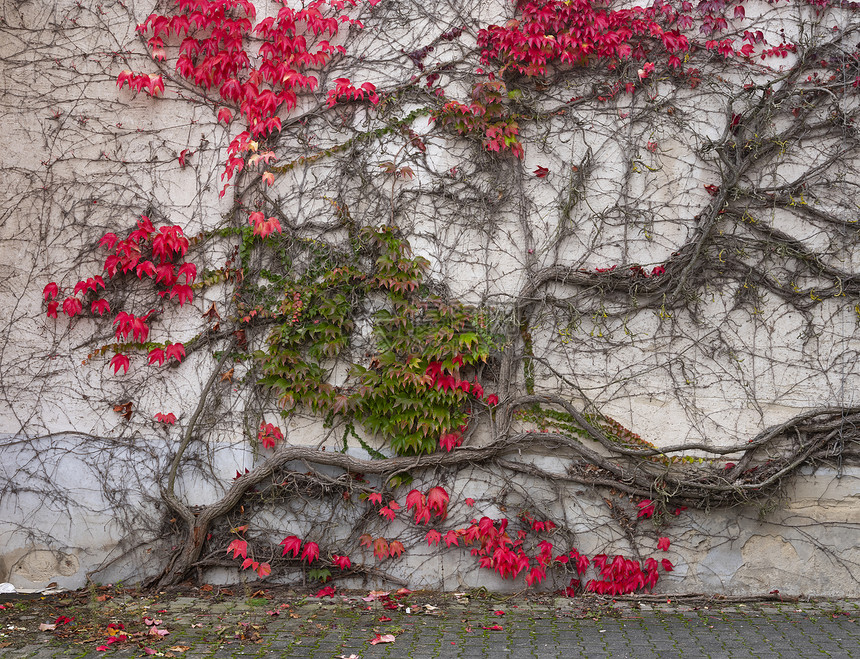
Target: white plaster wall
(717,374)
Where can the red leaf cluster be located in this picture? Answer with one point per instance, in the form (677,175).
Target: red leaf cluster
(169,418)
(153,84)
(264,227)
(573,32)
(623,576)
(436,502)
(213,54)
(166,245)
(345,90)
(309,553)
(269,435)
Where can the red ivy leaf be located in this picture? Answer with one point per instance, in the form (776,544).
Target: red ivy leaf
(156,355)
(175,350)
(239,548)
(119,361)
(72,306)
(311,552)
(108,240)
(646,508)
(190,272)
(437,501)
(183,292)
(291,543)
(101,307)
(51,291)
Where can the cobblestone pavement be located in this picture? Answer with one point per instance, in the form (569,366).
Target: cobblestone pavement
(290,625)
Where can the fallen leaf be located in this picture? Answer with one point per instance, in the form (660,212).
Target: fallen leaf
(383,638)
(498,613)
(45,627)
(375,594)
(149,650)
(384,619)
(494,628)
(180,648)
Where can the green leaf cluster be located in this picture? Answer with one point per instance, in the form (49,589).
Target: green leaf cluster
(391,393)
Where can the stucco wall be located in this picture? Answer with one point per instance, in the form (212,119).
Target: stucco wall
(79,484)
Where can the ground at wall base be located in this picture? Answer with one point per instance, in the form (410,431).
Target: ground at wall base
(252,620)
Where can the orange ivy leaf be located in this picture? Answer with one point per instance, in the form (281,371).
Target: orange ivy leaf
(395,549)
(380,548)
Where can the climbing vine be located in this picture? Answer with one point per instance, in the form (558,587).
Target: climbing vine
(438,256)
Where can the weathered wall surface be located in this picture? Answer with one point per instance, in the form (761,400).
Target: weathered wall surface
(759,326)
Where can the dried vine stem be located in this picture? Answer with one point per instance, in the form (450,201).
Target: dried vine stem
(639,477)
